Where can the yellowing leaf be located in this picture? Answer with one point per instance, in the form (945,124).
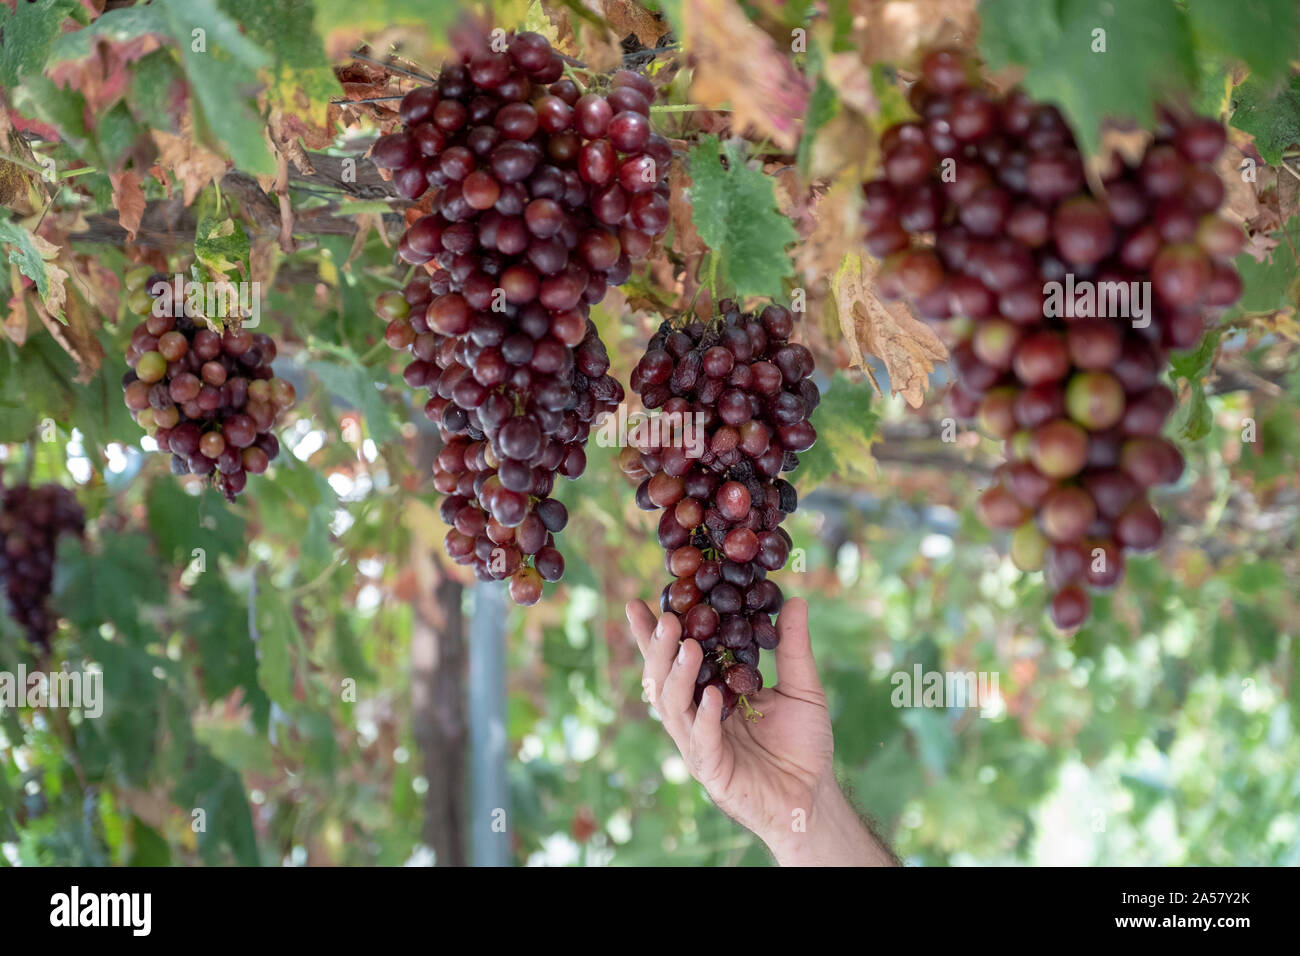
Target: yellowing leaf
(908,347)
(738,65)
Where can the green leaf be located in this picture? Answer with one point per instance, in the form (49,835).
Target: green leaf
(1196,363)
(25,254)
(734,210)
(1014,33)
(1270,112)
(64,109)
(221,244)
(276,633)
(158,91)
(222,73)
(823,104)
(116,26)
(1266,285)
(29,31)
(845,424)
(384,14)
(354,383)
(181,523)
(1194,418)
(1147,56)
(225,647)
(116,134)
(286,30)
(112,583)
(1264,34)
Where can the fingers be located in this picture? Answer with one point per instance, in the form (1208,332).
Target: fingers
(709,761)
(676,704)
(662,676)
(796,671)
(642,620)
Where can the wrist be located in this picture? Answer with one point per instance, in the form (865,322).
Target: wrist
(828,833)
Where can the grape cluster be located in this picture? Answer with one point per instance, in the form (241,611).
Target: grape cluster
(31,520)
(209,398)
(543,196)
(734,397)
(996,187)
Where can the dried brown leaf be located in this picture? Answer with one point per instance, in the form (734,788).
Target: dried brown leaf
(128,200)
(738,65)
(76,336)
(893,31)
(907,346)
(1240,200)
(193,165)
(686,240)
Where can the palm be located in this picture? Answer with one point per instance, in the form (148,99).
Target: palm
(780,757)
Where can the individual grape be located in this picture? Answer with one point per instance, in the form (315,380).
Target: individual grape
(1070,607)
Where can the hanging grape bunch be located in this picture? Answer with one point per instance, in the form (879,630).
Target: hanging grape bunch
(1075,394)
(742,395)
(31,521)
(545,194)
(209,398)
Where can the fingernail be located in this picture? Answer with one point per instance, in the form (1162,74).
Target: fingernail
(681,654)
(627,611)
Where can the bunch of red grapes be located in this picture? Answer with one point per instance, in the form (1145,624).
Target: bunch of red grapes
(31,521)
(543,197)
(994,188)
(209,398)
(735,396)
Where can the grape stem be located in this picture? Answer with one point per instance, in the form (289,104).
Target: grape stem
(751,714)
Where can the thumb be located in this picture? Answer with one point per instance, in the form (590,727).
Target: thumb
(796,671)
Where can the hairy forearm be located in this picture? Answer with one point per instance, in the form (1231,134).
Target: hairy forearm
(832,835)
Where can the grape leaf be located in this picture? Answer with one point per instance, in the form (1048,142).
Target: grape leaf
(29,30)
(25,254)
(222,245)
(734,210)
(299,66)
(221,75)
(355,383)
(1194,417)
(737,64)
(1266,285)
(1270,113)
(1264,34)
(123,26)
(181,522)
(822,105)
(1147,56)
(846,425)
(907,346)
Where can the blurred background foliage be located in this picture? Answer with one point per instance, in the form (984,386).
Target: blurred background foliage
(268,662)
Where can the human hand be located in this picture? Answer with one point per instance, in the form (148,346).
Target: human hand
(773,775)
